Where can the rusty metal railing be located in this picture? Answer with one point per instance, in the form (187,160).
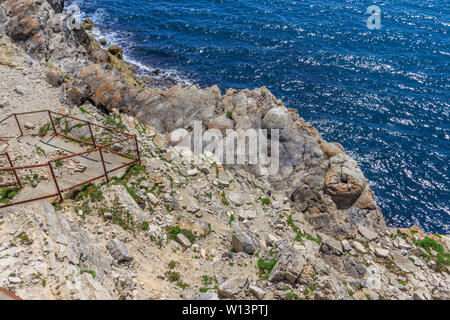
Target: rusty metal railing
(5,294)
(93,144)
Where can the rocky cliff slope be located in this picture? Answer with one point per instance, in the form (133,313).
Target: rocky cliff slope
(172,228)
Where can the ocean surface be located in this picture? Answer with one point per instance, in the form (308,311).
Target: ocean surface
(384,94)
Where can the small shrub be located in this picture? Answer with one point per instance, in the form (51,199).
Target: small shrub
(91,272)
(173,276)
(7,194)
(265,267)
(174,231)
(145,226)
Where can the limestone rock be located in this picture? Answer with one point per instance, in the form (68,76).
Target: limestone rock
(241,242)
(118,250)
(257,291)
(116,51)
(54,79)
(330,245)
(276,118)
(206,296)
(181,238)
(382,253)
(232,287)
(367,233)
(289,265)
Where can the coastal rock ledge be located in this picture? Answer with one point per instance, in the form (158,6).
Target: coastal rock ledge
(312,231)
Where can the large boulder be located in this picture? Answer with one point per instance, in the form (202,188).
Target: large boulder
(289,266)
(241,242)
(231,287)
(54,79)
(119,250)
(344,182)
(116,51)
(276,118)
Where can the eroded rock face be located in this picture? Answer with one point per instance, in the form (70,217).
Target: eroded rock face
(276,118)
(54,79)
(59,249)
(42,30)
(118,250)
(344,181)
(289,266)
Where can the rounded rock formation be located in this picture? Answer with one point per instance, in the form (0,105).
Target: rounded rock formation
(276,118)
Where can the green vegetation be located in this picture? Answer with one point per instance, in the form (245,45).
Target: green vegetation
(145,226)
(224,200)
(229,115)
(298,236)
(311,288)
(83,110)
(58,164)
(443,258)
(45,128)
(133,171)
(172,232)
(317,240)
(7,194)
(292,296)
(114,121)
(40,151)
(23,238)
(403,283)
(207,280)
(182,285)
(265,267)
(142,129)
(173,276)
(208,283)
(91,191)
(265,201)
(91,272)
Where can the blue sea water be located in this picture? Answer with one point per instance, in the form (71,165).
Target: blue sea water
(384,94)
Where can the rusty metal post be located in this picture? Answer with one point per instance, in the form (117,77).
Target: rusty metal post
(53,124)
(56,182)
(104,165)
(92,136)
(18,124)
(14,170)
(137,150)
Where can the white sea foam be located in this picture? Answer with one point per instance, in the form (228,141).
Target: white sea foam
(122,39)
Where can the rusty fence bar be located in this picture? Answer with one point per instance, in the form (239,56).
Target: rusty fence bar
(56,181)
(95,124)
(9,294)
(104,165)
(137,150)
(52,122)
(14,170)
(18,124)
